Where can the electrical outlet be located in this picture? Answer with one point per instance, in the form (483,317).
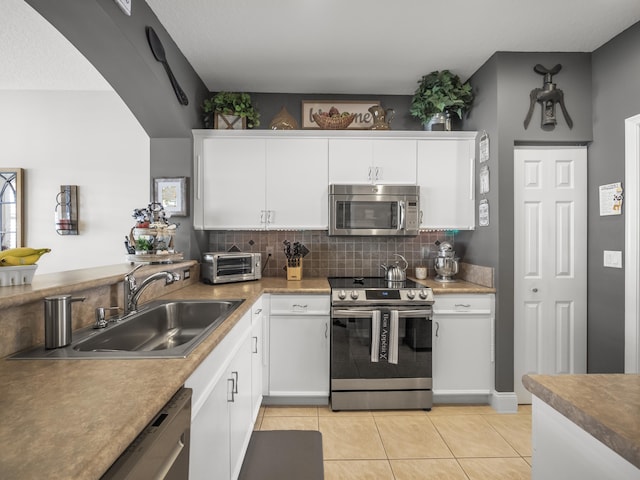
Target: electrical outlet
(613,258)
(270,250)
(186,274)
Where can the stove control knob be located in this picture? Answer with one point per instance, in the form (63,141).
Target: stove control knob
(423,294)
(411,294)
(342,294)
(354,295)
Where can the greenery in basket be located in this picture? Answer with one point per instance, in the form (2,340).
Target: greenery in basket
(232,103)
(439,92)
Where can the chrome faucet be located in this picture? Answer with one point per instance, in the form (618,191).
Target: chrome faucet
(132,291)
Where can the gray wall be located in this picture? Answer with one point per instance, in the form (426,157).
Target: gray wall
(616,73)
(502,86)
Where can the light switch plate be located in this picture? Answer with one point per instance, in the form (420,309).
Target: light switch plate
(125,6)
(613,258)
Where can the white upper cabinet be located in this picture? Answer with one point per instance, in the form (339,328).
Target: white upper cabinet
(372,161)
(257,181)
(297,184)
(232,186)
(446,180)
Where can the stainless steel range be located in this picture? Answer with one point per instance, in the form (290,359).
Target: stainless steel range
(380,344)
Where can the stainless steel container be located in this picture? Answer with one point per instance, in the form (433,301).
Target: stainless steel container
(57,320)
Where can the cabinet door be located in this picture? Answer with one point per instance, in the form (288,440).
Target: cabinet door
(209,445)
(350,161)
(299,356)
(445,177)
(463,344)
(233,185)
(297,183)
(394,161)
(240,418)
(383,161)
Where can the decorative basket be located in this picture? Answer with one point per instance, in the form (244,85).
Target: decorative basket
(22,275)
(334,123)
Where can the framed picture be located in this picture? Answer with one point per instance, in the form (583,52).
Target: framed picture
(172,194)
(362,121)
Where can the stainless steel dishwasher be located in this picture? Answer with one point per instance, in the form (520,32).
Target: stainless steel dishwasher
(161,451)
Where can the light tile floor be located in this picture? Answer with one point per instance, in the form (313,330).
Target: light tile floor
(452,442)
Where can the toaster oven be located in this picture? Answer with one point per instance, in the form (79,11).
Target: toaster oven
(226,267)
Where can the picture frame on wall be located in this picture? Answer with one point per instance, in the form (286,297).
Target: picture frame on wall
(363,118)
(172,194)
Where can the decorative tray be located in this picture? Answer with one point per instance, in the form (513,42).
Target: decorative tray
(155,258)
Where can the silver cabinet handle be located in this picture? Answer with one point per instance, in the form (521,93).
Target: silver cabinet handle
(462,305)
(377,173)
(437,328)
(235,381)
(255,345)
(534,290)
(258,311)
(369,174)
(230,391)
(326,330)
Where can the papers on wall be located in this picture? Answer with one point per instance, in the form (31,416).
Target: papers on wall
(484,179)
(611,199)
(484,147)
(483,213)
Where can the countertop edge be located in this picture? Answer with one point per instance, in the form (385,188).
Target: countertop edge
(620,444)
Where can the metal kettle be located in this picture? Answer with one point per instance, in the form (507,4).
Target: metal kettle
(395,273)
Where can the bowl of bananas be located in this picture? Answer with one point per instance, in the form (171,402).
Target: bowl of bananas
(18,265)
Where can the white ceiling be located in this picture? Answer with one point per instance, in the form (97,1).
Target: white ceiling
(322,46)
(35,56)
(374,46)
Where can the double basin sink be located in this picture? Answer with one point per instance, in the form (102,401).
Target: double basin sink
(160,329)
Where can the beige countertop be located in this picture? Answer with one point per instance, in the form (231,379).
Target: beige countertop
(604,405)
(72,418)
(457,287)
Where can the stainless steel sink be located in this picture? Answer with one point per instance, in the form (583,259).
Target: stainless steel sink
(161,329)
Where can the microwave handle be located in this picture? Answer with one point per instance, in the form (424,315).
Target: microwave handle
(401,219)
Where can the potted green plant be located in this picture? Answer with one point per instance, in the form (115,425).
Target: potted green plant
(226,109)
(440,93)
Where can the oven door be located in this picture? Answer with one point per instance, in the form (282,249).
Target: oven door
(366,215)
(362,349)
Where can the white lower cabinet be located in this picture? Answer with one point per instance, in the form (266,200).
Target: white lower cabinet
(299,346)
(463,347)
(258,357)
(222,416)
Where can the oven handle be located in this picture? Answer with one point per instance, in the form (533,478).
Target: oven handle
(352,313)
(415,313)
(369,313)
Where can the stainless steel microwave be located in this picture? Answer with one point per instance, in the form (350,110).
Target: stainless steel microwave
(392,210)
(226,267)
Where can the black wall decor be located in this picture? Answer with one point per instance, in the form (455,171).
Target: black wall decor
(547,97)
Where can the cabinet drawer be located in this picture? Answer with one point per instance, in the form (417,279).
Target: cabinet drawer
(476,304)
(205,377)
(300,305)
